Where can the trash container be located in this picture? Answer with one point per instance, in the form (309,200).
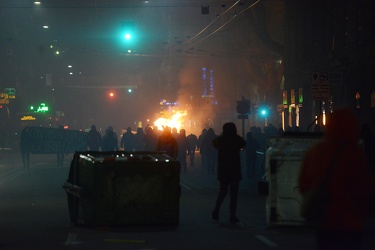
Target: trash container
(283,164)
(123,188)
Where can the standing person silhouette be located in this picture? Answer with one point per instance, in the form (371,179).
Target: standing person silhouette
(339,163)
(210,151)
(60,153)
(113,134)
(94,139)
(193,140)
(109,142)
(183,149)
(138,139)
(168,144)
(25,145)
(150,140)
(229,145)
(203,164)
(127,142)
(252,145)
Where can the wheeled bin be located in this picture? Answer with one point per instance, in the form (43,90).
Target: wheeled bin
(283,164)
(123,188)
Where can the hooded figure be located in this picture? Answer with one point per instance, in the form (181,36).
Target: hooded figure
(168,144)
(127,142)
(228,145)
(348,185)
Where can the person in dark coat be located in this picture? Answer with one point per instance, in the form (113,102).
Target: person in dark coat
(109,142)
(94,139)
(229,145)
(168,144)
(183,149)
(127,142)
(367,142)
(339,165)
(60,152)
(203,154)
(114,134)
(210,151)
(138,139)
(252,145)
(193,141)
(150,140)
(25,145)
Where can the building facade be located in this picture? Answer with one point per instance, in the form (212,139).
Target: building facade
(329,57)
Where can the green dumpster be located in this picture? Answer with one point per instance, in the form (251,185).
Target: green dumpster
(123,189)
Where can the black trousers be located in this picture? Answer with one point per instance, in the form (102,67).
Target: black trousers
(233,187)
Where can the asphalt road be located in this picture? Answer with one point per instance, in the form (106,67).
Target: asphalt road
(34,215)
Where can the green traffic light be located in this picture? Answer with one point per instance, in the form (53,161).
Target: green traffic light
(263,111)
(128,36)
(127,30)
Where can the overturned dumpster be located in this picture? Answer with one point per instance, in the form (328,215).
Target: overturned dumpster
(123,189)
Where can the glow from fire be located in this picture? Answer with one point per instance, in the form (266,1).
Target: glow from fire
(176,120)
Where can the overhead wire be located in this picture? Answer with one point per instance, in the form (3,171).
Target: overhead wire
(213,21)
(222,26)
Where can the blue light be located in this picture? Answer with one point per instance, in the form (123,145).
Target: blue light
(211,83)
(204,77)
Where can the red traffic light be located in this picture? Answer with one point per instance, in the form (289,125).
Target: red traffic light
(111,94)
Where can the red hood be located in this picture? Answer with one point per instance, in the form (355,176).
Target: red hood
(342,126)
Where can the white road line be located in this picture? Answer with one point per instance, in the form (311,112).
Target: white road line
(39,165)
(71,240)
(10,176)
(185,186)
(265,240)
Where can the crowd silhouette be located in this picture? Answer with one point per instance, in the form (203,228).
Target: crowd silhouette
(183,147)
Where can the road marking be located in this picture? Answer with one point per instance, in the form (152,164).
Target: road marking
(265,240)
(71,240)
(41,165)
(185,186)
(125,241)
(11,175)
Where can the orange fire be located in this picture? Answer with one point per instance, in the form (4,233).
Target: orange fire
(176,120)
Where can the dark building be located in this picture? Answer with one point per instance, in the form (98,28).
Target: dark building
(329,58)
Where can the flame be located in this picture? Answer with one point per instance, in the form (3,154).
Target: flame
(176,120)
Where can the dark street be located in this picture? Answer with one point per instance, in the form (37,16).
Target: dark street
(34,215)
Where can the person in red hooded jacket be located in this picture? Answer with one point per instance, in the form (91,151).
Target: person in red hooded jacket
(349,185)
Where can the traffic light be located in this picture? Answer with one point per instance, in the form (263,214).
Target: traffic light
(243,106)
(264,111)
(127,30)
(111,94)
